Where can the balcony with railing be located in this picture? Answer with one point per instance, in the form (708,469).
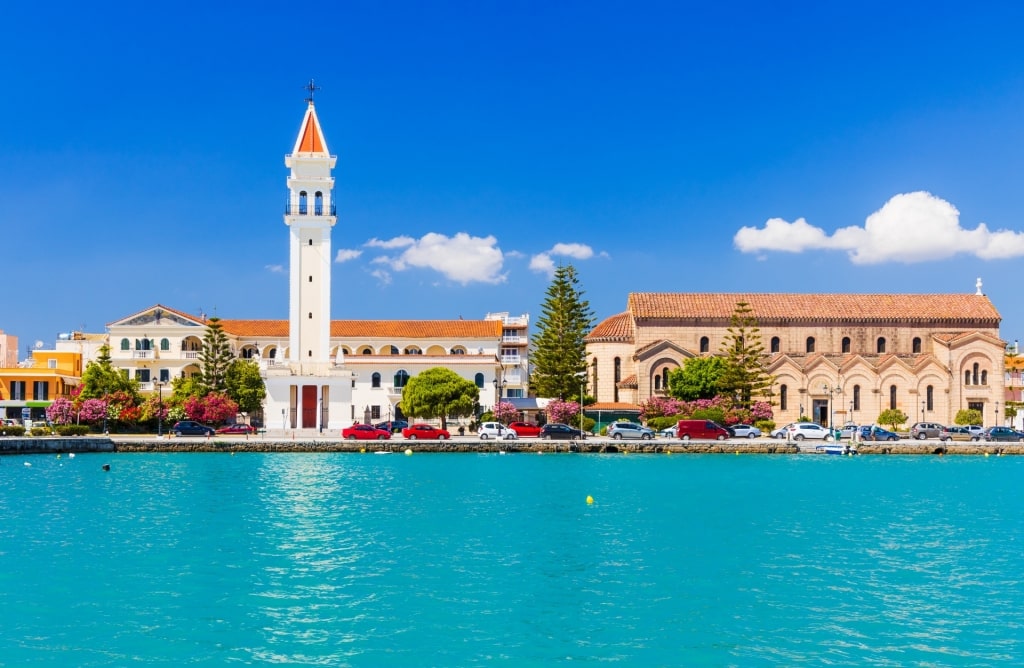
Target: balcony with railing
(511,359)
(143,354)
(316,209)
(514,338)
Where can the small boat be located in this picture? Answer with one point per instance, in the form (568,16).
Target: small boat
(837,449)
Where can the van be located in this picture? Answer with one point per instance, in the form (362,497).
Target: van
(705,429)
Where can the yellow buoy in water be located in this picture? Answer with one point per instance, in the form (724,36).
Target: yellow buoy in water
(986,454)
(590,500)
(362,449)
(408,451)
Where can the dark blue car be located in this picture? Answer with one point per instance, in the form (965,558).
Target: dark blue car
(869,433)
(191,428)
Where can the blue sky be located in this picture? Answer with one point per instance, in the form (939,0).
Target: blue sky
(704,147)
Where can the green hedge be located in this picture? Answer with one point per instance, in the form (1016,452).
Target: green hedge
(72,430)
(12,430)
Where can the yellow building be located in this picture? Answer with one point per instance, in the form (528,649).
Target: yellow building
(34,384)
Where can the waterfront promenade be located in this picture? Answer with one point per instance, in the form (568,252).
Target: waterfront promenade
(313,441)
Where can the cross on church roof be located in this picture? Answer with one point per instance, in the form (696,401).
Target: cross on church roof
(312,88)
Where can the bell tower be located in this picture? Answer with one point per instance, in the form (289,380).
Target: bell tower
(310,215)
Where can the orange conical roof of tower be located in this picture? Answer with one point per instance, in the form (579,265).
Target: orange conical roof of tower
(311,137)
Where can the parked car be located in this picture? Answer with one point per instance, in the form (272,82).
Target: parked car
(780,432)
(365,432)
(956,434)
(706,429)
(392,427)
(1002,434)
(975,429)
(237,429)
(554,430)
(621,430)
(744,431)
(923,430)
(809,430)
(875,433)
(669,432)
(523,429)
(425,431)
(496,430)
(191,428)
(848,430)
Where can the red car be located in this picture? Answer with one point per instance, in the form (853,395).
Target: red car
(524,429)
(237,429)
(412,432)
(365,432)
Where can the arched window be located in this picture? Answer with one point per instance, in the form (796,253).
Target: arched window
(846,344)
(458,350)
(125,344)
(856,397)
(273,353)
(318,204)
(984,377)
(783,397)
(302,203)
(892,397)
(657,382)
(479,380)
(967,377)
(705,344)
(775,344)
(916,345)
(413,350)
(394,350)
(810,344)
(375,379)
(664,378)
(930,398)
(974,377)
(617,370)
(880,346)
(367,350)
(401,378)
(165,344)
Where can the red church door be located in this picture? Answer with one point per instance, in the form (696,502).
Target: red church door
(309,406)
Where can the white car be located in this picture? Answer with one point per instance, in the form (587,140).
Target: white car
(621,430)
(669,432)
(496,430)
(808,430)
(744,431)
(781,431)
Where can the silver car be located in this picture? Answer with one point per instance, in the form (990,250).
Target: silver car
(621,430)
(744,431)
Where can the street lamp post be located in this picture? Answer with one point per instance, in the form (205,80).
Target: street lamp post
(583,388)
(997,413)
(831,392)
(160,408)
(923,403)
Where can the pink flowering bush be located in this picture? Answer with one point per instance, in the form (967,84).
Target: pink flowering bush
(214,407)
(562,411)
(505,412)
(92,410)
(61,411)
(661,407)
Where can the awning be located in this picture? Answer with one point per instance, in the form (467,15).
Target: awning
(22,403)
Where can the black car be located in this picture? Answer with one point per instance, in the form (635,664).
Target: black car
(1002,434)
(191,428)
(554,430)
(393,427)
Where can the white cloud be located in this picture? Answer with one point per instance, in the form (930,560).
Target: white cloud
(910,227)
(275,268)
(544,263)
(462,258)
(396,242)
(381,275)
(346,254)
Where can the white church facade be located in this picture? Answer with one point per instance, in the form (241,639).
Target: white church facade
(322,373)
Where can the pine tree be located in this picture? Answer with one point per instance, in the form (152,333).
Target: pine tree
(215,357)
(745,376)
(559,352)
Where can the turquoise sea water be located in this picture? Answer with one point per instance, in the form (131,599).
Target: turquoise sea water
(462,560)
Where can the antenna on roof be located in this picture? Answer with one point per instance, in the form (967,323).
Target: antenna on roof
(312,88)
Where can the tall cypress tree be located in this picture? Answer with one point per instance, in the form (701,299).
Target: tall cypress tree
(559,352)
(215,356)
(745,376)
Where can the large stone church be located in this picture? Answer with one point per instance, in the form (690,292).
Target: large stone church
(834,357)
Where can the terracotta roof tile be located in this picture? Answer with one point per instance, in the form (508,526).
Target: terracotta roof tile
(951,308)
(628,381)
(610,406)
(618,327)
(376,329)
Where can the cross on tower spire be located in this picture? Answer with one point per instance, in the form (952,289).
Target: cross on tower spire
(312,88)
